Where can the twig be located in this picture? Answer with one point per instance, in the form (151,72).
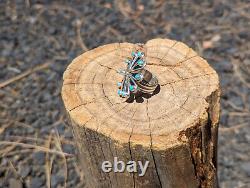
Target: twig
(238,74)
(2,129)
(236,108)
(5,151)
(15,171)
(223,129)
(24,74)
(16,152)
(59,146)
(62,139)
(27,3)
(21,124)
(79,37)
(48,163)
(41,148)
(78,170)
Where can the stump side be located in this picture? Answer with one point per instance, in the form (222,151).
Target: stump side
(175,129)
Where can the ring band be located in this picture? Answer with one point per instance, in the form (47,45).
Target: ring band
(136,78)
(149,82)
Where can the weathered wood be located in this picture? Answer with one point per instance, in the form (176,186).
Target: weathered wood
(175,129)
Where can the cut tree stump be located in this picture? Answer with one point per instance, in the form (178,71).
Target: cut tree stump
(175,129)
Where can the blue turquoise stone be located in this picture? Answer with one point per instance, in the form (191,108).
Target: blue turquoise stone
(137,76)
(131,88)
(139,54)
(133,53)
(123,94)
(119,92)
(140,62)
(119,84)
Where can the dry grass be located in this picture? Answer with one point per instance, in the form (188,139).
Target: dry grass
(24,74)
(51,146)
(234,128)
(36,147)
(48,163)
(59,146)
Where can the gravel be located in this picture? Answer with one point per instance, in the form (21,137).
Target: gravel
(24,170)
(246,168)
(36,182)
(37,32)
(14,183)
(39,158)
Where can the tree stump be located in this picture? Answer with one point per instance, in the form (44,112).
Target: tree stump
(175,129)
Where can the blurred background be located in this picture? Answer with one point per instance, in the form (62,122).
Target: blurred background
(38,39)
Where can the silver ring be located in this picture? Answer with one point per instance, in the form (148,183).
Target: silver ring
(135,77)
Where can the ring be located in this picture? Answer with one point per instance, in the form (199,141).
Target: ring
(135,77)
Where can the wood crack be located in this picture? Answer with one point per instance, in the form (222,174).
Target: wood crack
(110,68)
(175,43)
(110,149)
(129,144)
(93,101)
(151,148)
(115,111)
(183,79)
(97,135)
(172,66)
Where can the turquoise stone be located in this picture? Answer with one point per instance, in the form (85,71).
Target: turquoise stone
(139,54)
(133,54)
(123,94)
(140,62)
(131,88)
(137,76)
(119,84)
(119,92)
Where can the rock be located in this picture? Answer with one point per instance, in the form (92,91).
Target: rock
(57,179)
(14,183)
(72,174)
(68,134)
(223,66)
(246,168)
(36,182)
(223,119)
(244,35)
(219,10)
(247,138)
(132,4)
(24,170)
(68,148)
(4,162)
(39,157)
(61,128)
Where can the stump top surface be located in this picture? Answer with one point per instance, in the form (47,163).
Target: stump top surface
(90,94)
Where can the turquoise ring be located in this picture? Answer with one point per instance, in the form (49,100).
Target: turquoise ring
(135,77)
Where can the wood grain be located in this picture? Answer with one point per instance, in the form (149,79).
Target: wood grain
(175,129)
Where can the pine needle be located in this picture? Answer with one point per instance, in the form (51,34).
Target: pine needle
(40,148)
(24,74)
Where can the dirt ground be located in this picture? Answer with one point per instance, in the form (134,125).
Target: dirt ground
(38,39)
